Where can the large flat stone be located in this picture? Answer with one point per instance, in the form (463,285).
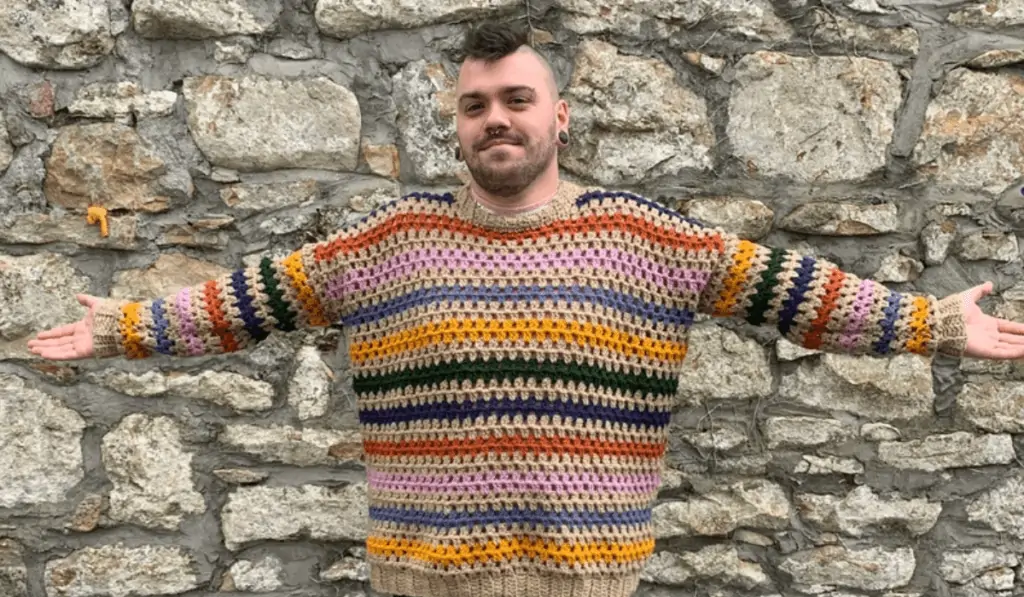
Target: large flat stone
(897,388)
(821,119)
(842,219)
(746,218)
(973,137)
(718,564)
(424,93)
(845,34)
(281,513)
(120,571)
(120,100)
(1001,508)
(992,13)
(290,445)
(258,197)
(168,274)
(722,365)
(107,164)
(952,450)
(37,229)
(348,18)
(37,292)
(741,19)
(963,565)
(13,573)
(258,123)
(309,392)
(862,511)
(41,446)
(151,473)
(803,431)
(71,34)
(201,19)
(756,503)
(871,569)
(224,388)
(6,151)
(632,119)
(993,406)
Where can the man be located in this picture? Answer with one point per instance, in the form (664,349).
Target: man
(515,345)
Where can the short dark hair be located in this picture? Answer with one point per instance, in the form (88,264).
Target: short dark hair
(494,40)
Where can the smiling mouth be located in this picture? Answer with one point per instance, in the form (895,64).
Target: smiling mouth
(496,142)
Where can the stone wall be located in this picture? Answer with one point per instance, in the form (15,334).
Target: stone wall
(884,135)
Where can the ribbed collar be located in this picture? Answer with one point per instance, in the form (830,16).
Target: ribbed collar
(561,206)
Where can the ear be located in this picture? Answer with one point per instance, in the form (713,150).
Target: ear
(562,114)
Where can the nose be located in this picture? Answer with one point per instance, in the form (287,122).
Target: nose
(497,117)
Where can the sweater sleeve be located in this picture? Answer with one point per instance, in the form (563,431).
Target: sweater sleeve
(226,314)
(816,305)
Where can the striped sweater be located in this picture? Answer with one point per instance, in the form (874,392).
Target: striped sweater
(515,374)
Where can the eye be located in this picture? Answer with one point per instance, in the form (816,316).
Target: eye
(472,108)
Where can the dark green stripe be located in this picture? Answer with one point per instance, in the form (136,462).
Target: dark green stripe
(766,287)
(278,306)
(509,370)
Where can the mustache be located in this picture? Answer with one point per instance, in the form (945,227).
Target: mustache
(504,138)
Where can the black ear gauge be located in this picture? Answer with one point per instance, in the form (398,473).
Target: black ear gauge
(563,137)
(458,154)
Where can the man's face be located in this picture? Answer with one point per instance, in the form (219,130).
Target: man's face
(507,122)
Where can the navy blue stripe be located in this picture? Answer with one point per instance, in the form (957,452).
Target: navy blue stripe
(469,410)
(160,325)
(571,294)
(253,323)
(514,515)
(797,294)
(892,311)
(602,195)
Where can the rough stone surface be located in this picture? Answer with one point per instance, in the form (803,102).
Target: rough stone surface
(240,476)
(880,432)
(719,564)
(821,119)
(832,29)
(722,440)
(27,283)
(347,569)
(200,19)
(842,219)
(280,513)
(803,431)
(937,238)
(300,447)
(744,19)
(754,504)
(989,14)
(120,571)
(224,388)
(898,268)
(996,58)
(39,229)
(258,123)
(962,566)
(6,151)
(993,406)
(951,450)
(258,198)
(972,137)
(722,365)
(989,244)
(862,511)
(72,34)
(871,569)
(828,465)
(44,437)
(788,351)
(348,18)
(310,389)
(106,164)
(1001,508)
(151,473)
(887,389)
(260,576)
(13,573)
(747,218)
(635,120)
(118,100)
(168,274)
(425,95)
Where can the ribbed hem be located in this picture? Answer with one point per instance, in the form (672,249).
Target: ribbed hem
(389,578)
(106,338)
(950,328)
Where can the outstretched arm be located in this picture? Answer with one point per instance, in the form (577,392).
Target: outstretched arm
(816,305)
(221,315)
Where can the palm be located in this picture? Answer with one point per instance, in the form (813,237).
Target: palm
(68,342)
(989,337)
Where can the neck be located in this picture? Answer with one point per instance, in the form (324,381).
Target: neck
(537,194)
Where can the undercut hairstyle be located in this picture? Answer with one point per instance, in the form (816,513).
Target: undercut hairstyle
(494,40)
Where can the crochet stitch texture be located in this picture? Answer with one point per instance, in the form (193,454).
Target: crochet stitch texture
(515,374)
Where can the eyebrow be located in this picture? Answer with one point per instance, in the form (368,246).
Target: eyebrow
(504,91)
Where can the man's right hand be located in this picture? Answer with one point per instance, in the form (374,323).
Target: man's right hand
(71,341)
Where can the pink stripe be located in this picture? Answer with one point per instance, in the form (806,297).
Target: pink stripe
(612,260)
(861,308)
(188,325)
(514,482)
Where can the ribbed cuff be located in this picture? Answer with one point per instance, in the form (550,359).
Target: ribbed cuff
(950,328)
(106,338)
(396,580)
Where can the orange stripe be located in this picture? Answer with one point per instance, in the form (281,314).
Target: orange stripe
(405,222)
(812,339)
(511,444)
(129,323)
(292,266)
(490,550)
(733,285)
(919,325)
(221,325)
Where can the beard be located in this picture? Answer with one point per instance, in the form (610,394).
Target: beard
(503,176)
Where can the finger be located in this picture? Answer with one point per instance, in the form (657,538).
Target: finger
(66,352)
(64,330)
(980,291)
(51,342)
(1010,339)
(86,300)
(1011,327)
(1008,351)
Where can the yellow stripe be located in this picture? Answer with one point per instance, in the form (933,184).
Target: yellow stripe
(519,330)
(919,326)
(292,265)
(130,321)
(510,549)
(742,261)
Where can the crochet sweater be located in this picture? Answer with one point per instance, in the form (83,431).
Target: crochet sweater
(515,374)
